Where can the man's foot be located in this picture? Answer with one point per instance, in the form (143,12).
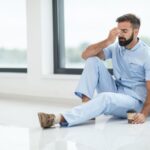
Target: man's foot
(46,120)
(85,99)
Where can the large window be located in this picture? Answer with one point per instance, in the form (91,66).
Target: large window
(13,46)
(79,23)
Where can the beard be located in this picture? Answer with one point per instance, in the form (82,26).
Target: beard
(124,42)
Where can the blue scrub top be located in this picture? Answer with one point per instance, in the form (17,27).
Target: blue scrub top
(131,68)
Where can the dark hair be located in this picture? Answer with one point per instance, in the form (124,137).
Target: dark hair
(134,20)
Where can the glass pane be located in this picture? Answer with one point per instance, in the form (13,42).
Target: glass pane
(13,34)
(88,22)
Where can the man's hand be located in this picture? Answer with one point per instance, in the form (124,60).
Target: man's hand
(113,34)
(97,48)
(139,118)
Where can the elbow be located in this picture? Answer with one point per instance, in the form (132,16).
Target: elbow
(86,53)
(84,56)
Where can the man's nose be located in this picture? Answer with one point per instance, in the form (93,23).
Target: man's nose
(120,33)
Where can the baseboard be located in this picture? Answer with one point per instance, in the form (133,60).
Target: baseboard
(42,99)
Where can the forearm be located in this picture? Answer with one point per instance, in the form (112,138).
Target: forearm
(95,49)
(141,117)
(146,107)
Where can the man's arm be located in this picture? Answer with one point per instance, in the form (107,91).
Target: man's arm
(141,117)
(97,49)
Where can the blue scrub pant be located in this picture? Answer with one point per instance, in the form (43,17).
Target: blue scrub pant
(110,99)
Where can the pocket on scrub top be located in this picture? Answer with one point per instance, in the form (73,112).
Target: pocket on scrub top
(136,69)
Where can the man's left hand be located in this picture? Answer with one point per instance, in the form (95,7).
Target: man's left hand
(139,118)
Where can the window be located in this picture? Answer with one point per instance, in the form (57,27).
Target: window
(13,46)
(78,24)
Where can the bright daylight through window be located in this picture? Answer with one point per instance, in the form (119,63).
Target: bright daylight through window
(13,44)
(86,22)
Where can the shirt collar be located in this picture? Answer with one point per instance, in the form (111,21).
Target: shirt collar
(134,48)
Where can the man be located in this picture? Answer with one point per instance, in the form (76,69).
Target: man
(130,87)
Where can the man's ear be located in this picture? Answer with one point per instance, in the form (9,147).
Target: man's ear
(136,31)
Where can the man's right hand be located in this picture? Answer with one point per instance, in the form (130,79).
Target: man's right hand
(113,34)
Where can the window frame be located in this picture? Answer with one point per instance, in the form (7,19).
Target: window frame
(58,40)
(13,70)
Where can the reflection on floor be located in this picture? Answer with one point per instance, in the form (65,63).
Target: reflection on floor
(20,130)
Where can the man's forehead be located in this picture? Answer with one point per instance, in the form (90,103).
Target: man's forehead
(124,25)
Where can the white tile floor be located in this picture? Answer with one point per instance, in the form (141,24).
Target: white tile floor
(20,130)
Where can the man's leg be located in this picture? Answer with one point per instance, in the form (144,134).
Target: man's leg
(95,76)
(107,103)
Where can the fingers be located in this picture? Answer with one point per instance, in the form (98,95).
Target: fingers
(113,34)
(115,31)
(139,118)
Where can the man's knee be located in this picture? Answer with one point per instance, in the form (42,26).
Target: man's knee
(93,60)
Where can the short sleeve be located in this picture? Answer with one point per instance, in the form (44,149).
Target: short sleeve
(147,67)
(108,51)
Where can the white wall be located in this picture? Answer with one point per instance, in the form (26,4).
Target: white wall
(40,80)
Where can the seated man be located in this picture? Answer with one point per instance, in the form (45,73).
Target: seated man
(130,87)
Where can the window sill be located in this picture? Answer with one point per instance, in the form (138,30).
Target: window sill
(13,75)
